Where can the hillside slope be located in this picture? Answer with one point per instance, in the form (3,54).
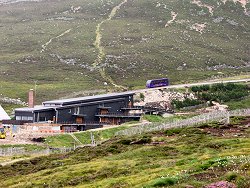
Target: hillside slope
(189,157)
(68,46)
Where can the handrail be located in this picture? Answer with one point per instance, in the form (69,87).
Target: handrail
(118,114)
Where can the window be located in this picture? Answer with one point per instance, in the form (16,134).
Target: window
(30,118)
(77,110)
(24,117)
(18,117)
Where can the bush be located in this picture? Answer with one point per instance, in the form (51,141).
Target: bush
(221,92)
(195,89)
(142,97)
(200,88)
(204,166)
(231,176)
(185,103)
(174,131)
(145,140)
(113,149)
(125,141)
(214,162)
(142,140)
(161,182)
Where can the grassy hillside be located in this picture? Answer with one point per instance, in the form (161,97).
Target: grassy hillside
(68,46)
(66,140)
(178,157)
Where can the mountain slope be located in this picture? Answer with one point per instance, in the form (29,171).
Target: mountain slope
(73,44)
(194,156)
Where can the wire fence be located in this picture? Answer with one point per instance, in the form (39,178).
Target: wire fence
(204,118)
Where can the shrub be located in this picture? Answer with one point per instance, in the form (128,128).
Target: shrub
(161,182)
(214,162)
(142,97)
(113,149)
(145,140)
(174,131)
(200,88)
(195,89)
(231,176)
(142,140)
(204,166)
(187,102)
(222,92)
(125,141)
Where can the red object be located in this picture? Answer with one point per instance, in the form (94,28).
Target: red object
(31,99)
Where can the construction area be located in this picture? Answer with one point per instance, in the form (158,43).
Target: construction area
(108,111)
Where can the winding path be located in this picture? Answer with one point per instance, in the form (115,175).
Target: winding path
(100,48)
(44,46)
(174,15)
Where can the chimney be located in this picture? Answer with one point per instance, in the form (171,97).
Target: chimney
(31,98)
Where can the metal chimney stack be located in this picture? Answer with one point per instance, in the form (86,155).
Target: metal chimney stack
(31,100)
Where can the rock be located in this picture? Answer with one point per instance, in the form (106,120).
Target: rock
(165,115)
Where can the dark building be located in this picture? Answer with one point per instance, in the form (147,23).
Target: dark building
(84,112)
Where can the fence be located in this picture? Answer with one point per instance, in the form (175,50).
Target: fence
(12,151)
(204,118)
(195,107)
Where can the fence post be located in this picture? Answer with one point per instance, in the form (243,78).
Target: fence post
(92,137)
(228,118)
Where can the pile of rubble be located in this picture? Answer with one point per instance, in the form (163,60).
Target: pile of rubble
(12,101)
(160,98)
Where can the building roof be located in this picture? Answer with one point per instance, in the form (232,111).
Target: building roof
(3,114)
(63,102)
(36,108)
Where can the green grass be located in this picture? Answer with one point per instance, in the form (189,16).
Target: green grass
(244,103)
(66,140)
(158,118)
(153,118)
(192,156)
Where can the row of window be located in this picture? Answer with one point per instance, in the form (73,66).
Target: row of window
(26,118)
